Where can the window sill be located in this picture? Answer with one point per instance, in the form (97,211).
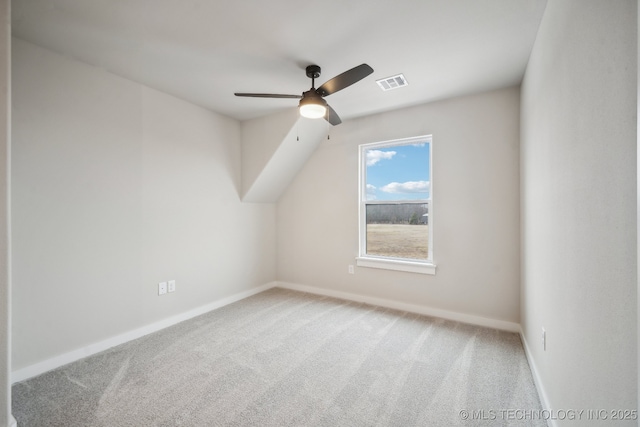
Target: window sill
(398,265)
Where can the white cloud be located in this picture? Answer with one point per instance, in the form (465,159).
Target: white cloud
(407,187)
(371,192)
(374,156)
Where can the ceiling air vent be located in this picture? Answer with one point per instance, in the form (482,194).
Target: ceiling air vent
(392,82)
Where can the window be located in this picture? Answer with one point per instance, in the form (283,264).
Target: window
(395,205)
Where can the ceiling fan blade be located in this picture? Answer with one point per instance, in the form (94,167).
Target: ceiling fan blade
(331,116)
(268,95)
(345,79)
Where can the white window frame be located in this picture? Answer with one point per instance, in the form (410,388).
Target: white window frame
(390,263)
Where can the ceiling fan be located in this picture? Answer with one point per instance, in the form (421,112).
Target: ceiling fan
(312,104)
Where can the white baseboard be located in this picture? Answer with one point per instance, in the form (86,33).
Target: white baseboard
(72,356)
(12,421)
(412,308)
(537,380)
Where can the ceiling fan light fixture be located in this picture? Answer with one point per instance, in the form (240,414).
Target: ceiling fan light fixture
(313,107)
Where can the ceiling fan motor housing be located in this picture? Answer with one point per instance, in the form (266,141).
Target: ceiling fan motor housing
(312,97)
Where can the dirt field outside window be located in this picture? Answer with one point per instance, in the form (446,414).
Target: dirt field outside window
(398,240)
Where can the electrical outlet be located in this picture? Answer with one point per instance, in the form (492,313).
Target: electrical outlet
(544,340)
(172,286)
(162,288)
(351,270)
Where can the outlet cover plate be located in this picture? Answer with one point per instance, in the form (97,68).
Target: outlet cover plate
(162,288)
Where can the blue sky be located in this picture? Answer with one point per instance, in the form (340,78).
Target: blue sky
(398,173)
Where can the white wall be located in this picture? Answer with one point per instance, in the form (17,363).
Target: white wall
(274,149)
(5,144)
(475,214)
(117,187)
(578,162)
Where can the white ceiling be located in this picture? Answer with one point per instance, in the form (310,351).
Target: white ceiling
(205,50)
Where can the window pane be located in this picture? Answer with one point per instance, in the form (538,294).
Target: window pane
(398,230)
(399,172)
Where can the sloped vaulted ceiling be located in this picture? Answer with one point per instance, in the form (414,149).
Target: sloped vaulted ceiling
(203,51)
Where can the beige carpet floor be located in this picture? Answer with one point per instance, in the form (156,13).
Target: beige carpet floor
(285,358)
